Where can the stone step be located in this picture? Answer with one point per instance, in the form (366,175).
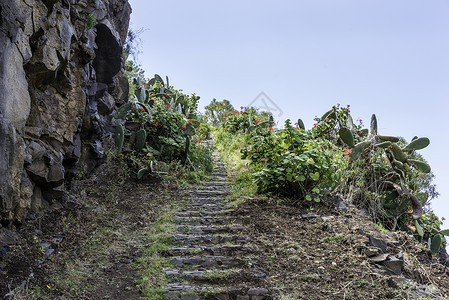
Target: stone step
(193,292)
(205,206)
(192,239)
(200,213)
(219,178)
(202,220)
(214,275)
(211,229)
(207,261)
(207,193)
(205,200)
(223,250)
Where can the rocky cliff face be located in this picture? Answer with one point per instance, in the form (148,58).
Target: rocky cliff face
(60,82)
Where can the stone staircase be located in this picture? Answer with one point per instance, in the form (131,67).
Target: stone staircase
(212,259)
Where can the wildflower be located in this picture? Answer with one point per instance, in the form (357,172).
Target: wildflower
(168,105)
(227,115)
(199,147)
(270,128)
(199,141)
(272,122)
(349,106)
(443,219)
(187,96)
(189,121)
(155,124)
(233,113)
(346,152)
(142,109)
(163,97)
(314,124)
(184,127)
(241,107)
(327,119)
(263,159)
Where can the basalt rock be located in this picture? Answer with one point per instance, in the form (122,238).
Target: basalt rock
(60,83)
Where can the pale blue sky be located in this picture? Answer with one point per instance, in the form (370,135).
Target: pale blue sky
(385,57)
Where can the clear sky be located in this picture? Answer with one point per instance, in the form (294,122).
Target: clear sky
(385,57)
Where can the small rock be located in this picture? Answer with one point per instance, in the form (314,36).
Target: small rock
(326,219)
(375,242)
(309,215)
(380,258)
(48,252)
(242,297)
(370,251)
(395,281)
(58,239)
(45,246)
(364,212)
(7,237)
(393,265)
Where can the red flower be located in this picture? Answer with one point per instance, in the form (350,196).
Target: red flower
(233,113)
(270,128)
(199,141)
(314,124)
(349,105)
(263,160)
(142,109)
(155,124)
(184,127)
(272,122)
(189,121)
(168,105)
(327,119)
(241,107)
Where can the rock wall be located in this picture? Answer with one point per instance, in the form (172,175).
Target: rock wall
(60,82)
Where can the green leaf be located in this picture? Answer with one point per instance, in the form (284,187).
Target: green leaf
(308,198)
(436,243)
(315,176)
(445,232)
(419,228)
(300,178)
(316,190)
(316,199)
